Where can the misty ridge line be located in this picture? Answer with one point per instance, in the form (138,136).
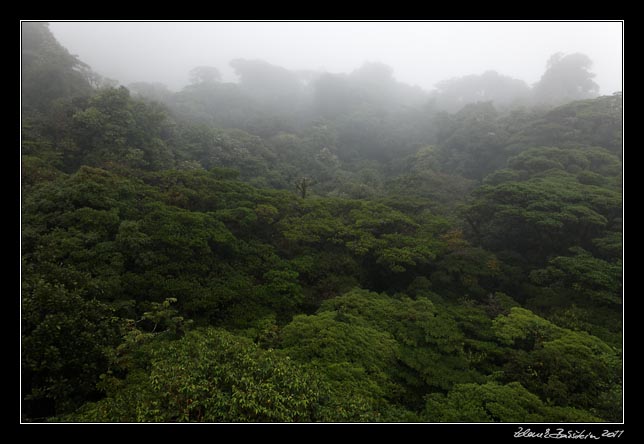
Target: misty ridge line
(421,53)
(268,99)
(567,78)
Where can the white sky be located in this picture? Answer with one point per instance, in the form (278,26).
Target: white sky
(421,53)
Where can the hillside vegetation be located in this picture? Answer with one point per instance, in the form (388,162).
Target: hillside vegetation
(350,249)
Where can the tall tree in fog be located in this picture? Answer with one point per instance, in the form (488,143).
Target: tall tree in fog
(276,91)
(263,79)
(567,78)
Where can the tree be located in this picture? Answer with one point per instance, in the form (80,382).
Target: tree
(539,207)
(429,345)
(65,340)
(567,78)
(453,94)
(568,368)
(117,130)
(493,402)
(354,359)
(473,144)
(277,91)
(49,71)
(204,75)
(209,375)
(303,185)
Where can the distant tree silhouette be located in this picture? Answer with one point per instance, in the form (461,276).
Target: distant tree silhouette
(567,78)
(204,74)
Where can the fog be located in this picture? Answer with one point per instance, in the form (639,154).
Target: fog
(420,53)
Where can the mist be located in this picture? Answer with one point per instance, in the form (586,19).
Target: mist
(420,53)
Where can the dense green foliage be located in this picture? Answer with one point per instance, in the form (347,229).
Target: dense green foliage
(338,252)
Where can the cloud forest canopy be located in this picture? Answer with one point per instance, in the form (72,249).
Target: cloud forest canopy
(318,248)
